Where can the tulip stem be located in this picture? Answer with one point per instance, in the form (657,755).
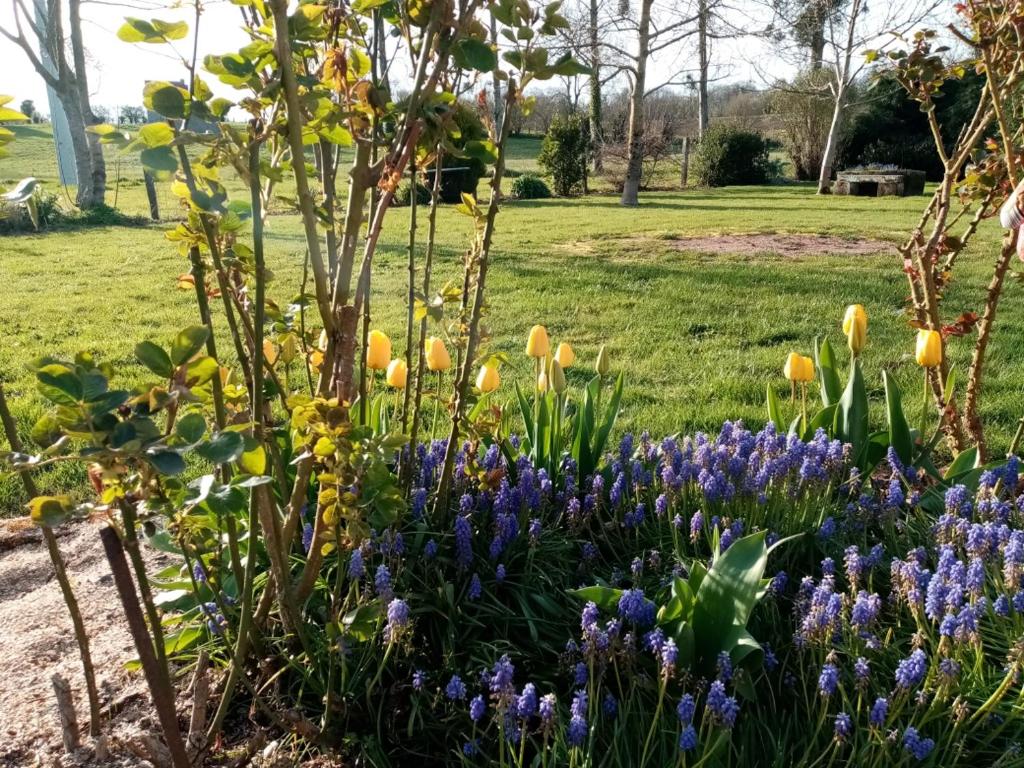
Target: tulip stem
(536,408)
(924,406)
(437,404)
(803,407)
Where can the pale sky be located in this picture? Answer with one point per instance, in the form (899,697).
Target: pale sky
(118,70)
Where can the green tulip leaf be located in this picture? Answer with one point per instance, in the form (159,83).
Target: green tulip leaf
(825,360)
(899,432)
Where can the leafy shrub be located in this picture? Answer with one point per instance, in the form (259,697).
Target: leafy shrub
(891,128)
(403,195)
(529,187)
(728,155)
(564,153)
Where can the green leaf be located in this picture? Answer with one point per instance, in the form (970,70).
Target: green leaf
(727,594)
(823,419)
(160,161)
(825,360)
(154,31)
(964,462)
(191,427)
(156,134)
(201,370)
(484,151)
(851,425)
(154,358)
(225,447)
(166,99)
(50,510)
(605,598)
(188,342)
(899,432)
(470,53)
(774,410)
(361,623)
(744,651)
(527,412)
(179,642)
(254,458)
(59,384)
(611,413)
(567,66)
(166,462)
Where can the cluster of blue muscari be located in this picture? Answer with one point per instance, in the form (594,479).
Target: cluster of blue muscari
(975,571)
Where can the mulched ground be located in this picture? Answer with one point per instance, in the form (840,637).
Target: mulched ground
(37,641)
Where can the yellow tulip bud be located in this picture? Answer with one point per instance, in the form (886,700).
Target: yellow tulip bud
(542,382)
(855,326)
(564,355)
(438,358)
(603,365)
(798,368)
(378,351)
(557,377)
(488,379)
(929,348)
(397,373)
(537,345)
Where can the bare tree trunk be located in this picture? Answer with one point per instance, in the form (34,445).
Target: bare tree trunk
(829,157)
(634,166)
(703,116)
(596,135)
(85,197)
(97,177)
(842,78)
(817,47)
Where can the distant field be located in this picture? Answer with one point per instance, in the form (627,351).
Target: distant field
(698,335)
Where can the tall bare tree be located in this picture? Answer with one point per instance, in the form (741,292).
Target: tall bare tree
(651,35)
(849,31)
(68,80)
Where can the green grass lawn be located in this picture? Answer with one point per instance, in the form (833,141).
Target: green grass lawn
(699,336)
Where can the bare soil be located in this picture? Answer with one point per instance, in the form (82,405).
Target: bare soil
(37,641)
(782,245)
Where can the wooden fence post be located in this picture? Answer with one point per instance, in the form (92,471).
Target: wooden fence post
(154,205)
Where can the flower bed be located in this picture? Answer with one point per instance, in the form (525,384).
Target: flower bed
(882,636)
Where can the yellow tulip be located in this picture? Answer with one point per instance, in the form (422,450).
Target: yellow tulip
(855,326)
(378,351)
(488,379)
(438,358)
(798,368)
(603,365)
(397,373)
(929,348)
(557,377)
(564,355)
(537,345)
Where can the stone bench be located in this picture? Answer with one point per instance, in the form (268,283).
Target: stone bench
(898,183)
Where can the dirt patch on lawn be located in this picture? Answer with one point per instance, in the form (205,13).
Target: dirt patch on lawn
(37,641)
(782,245)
